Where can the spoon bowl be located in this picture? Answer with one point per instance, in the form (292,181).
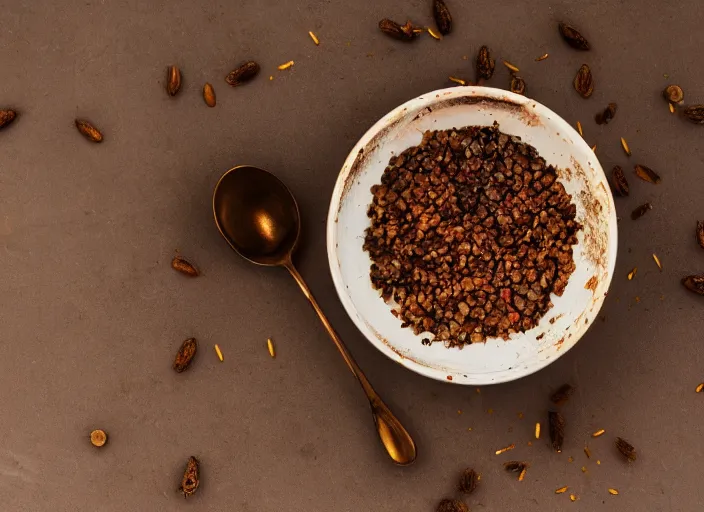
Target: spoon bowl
(257,215)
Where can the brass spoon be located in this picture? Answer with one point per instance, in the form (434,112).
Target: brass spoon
(258,216)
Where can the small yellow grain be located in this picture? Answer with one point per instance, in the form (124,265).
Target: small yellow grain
(632,273)
(286,65)
(561,490)
(459,411)
(657,261)
(598,433)
(314,38)
(522,475)
(570,459)
(672,108)
(598,463)
(542,57)
(613,491)
(457,80)
(505,449)
(587,452)
(584,469)
(219,353)
(637,299)
(700,387)
(271,77)
(624,144)
(579,129)
(433,34)
(537,430)
(270,346)
(573,497)
(469,429)
(511,66)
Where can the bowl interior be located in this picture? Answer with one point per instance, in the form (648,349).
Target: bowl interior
(496,360)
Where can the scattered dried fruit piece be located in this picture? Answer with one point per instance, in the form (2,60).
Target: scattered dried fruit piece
(6,117)
(700,387)
(518,85)
(468,481)
(700,233)
(626,449)
(542,57)
(485,64)
(185,267)
(243,73)
(598,433)
(632,273)
(185,354)
(401,32)
(556,422)
(573,37)
(625,147)
(619,182)
(607,115)
(89,131)
(561,490)
(191,478)
(641,210)
(173,80)
(695,113)
(443,18)
(562,394)
(657,261)
(613,492)
(209,95)
(98,438)
(511,66)
(219,353)
(458,80)
(647,174)
(270,347)
(579,129)
(505,449)
(583,81)
(694,284)
(314,38)
(285,65)
(537,430)
(673,94)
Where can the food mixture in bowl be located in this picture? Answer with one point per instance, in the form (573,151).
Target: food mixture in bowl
(470,234)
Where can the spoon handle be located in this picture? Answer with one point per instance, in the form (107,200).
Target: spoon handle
(394,437)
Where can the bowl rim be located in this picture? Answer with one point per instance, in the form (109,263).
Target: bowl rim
(418,103)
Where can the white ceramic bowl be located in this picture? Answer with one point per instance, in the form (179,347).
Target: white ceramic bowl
(496,360)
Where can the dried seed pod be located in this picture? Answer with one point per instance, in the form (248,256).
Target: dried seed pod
(6,117)
(557,430)
(443,18)
(485,64)
(562,394)
(185,267)
(243,73)
(619,182)
(695,113)
(468,481)
(98,438)
(448,505)
(573,37)
(626,449)
(607,115)
(647,174)
(191,478)
(673,94)
(694,284)
(89,131)
(185,355)
(173,80)
(401,32)
(641,210)
(209,95)
(700,233)
(583,81)
(518,85)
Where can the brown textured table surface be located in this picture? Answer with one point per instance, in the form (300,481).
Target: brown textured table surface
(91,313)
